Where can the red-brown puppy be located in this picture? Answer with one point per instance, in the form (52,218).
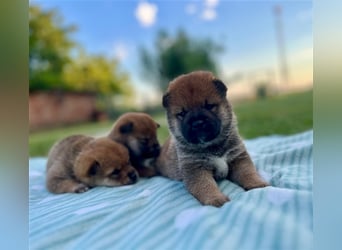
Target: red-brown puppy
(80,162)
(138,132)
(204,145)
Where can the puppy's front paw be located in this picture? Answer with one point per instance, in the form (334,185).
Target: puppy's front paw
(253,185)
(80,188)
(216,200)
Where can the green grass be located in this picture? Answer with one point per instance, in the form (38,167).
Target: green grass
(287,114)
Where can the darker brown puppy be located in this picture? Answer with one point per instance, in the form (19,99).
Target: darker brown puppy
(80,162)
(204,144)
(138,132)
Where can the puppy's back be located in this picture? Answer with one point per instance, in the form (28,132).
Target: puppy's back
(66,150)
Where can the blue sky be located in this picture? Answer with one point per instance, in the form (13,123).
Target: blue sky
(245,28)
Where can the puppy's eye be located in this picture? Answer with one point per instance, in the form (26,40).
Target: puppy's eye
(115,172)
(210,107)
(181,114)
(94,168)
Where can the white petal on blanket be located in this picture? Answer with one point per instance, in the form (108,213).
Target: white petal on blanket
(278,196)
(90,209)
(145,193)
(188,216)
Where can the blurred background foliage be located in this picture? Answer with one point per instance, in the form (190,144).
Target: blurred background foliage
(50,46)
(95,73)
(176,55)
(56,62)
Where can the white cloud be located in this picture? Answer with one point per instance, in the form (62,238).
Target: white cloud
(211,3)
(209,14)
(191,8)
(146,13)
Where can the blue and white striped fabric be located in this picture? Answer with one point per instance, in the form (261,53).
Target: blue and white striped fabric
(159,213)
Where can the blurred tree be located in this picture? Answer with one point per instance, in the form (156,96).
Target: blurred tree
(50,45)
(53,68)
(176,56)
(95,73)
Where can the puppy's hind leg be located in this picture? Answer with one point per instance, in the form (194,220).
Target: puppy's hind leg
(243,172)
(65,185)
(202,185)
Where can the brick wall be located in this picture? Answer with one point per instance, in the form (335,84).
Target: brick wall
(52,109)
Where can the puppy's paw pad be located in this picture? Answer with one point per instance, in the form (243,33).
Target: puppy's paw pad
(217,201)
(81,188)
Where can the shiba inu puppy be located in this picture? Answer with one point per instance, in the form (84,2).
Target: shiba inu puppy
(138,132)
(204,145)
(80,162)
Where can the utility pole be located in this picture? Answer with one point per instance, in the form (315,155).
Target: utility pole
(281,45)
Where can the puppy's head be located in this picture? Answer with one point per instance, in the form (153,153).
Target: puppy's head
(104,162)
(197,108)
(138,132)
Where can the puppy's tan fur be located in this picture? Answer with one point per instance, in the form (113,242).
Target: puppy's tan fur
(80,162)
(201,158)
(138,132)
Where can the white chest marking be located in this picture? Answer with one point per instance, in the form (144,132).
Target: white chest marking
(221,167)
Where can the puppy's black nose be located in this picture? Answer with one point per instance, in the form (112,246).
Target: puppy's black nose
(198,124)
(133,176)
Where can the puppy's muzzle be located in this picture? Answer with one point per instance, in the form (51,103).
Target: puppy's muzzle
(200,129)
(198,125)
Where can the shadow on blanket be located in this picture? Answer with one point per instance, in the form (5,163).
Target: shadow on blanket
(159,213)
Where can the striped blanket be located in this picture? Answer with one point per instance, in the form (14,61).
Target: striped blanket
(159,213)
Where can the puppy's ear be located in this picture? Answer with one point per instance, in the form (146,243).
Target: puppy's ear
(220,87)
(166,98)
(158,125)
(93,168)
(126,128)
